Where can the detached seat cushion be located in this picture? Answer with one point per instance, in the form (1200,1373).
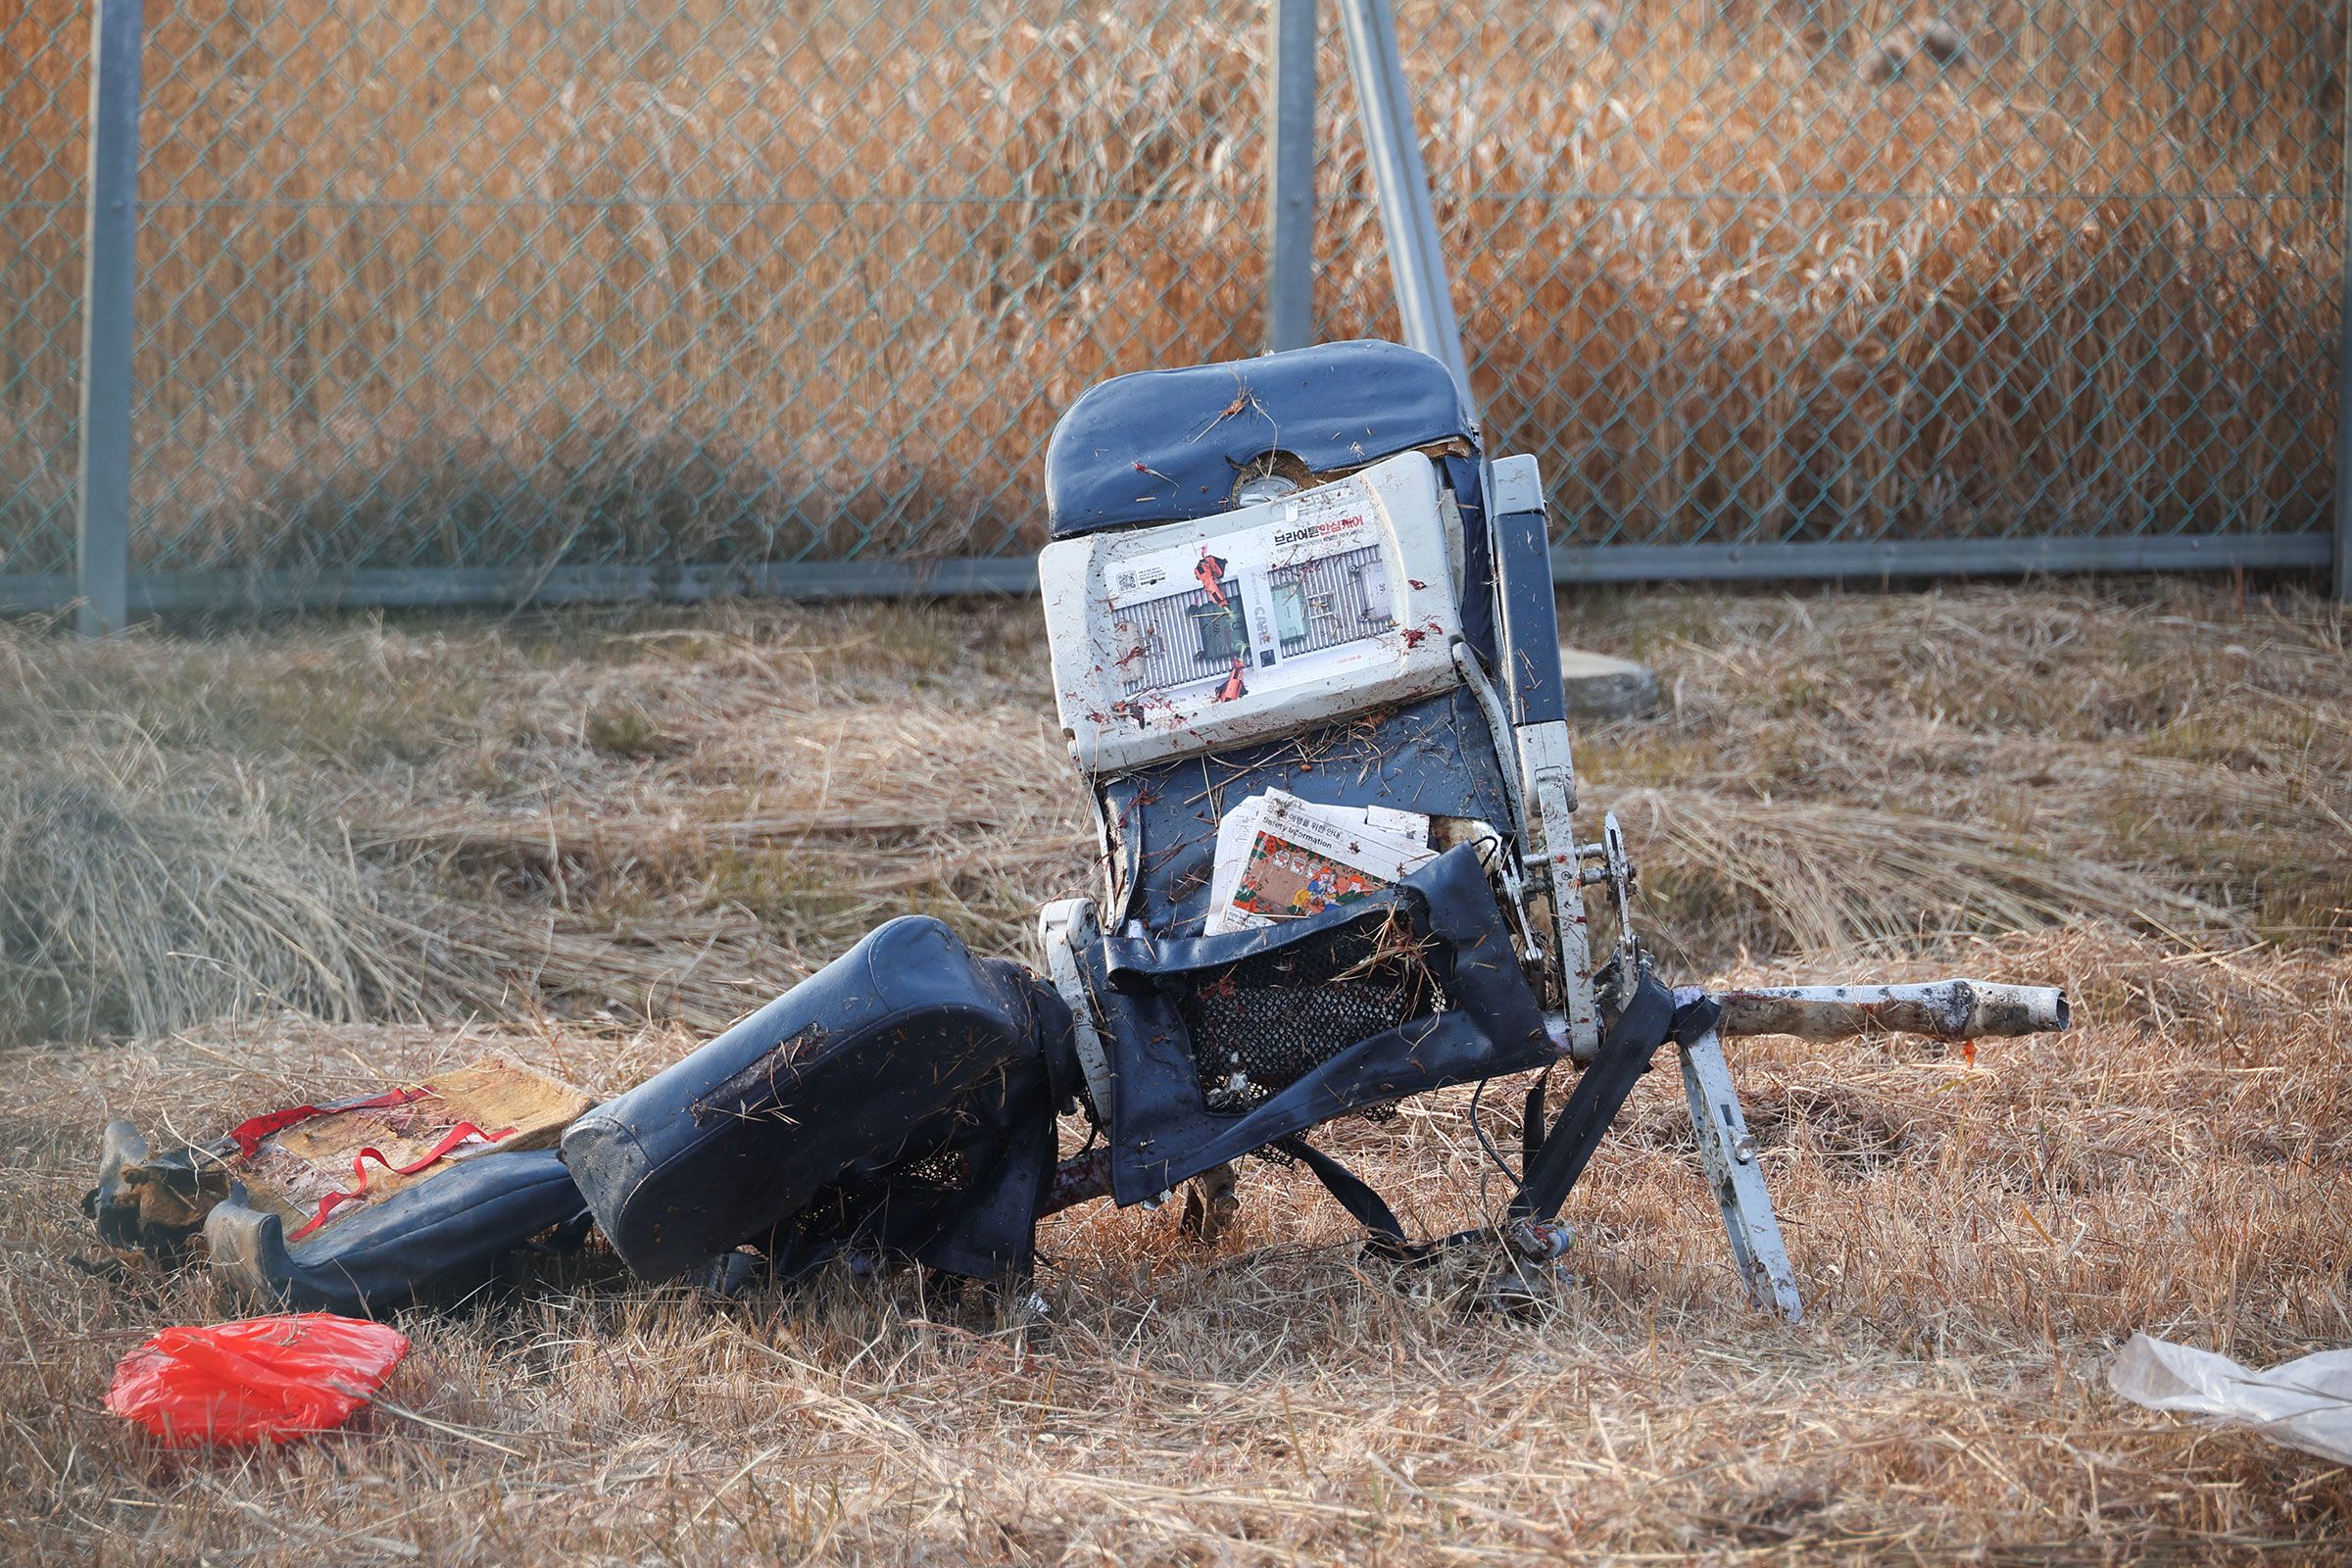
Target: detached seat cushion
(900,1099)
(431,1243)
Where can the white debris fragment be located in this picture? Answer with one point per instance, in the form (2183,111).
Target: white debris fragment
(2304,1403)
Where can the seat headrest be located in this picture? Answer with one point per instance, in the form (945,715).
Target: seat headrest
(1169,446)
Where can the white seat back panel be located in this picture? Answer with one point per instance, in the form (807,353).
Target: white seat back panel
(1255,623)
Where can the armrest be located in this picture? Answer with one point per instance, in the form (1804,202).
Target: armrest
(1531,623)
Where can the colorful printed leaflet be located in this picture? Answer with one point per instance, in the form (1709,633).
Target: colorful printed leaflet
(1279,858)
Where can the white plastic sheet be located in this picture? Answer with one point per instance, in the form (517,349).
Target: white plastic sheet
(2304,1403)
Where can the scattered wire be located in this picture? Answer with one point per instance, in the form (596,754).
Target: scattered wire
(1488,1143)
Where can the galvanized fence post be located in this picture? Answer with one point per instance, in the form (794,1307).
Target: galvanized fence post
(110,261)
(1417,258)
(2342,578)
(1290,175)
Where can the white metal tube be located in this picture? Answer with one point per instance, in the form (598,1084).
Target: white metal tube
(1940,1009)
(1290,119)
(1409,221)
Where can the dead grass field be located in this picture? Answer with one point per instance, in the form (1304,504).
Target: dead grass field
(578,830)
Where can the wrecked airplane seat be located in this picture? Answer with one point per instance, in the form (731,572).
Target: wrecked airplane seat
(900,1100)
(1305,654)
(1306,657)
(415,1193)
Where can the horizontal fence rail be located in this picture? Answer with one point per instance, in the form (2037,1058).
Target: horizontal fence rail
(493,301)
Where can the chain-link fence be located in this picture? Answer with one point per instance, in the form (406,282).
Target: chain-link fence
(495,298)
(44,156)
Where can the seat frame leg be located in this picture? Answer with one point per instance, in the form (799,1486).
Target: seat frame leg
(1728,1158)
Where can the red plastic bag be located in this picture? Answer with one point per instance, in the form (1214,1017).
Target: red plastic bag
(255,1380)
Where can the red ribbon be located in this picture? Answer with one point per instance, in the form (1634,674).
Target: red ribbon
(249,1134)
(358,1170)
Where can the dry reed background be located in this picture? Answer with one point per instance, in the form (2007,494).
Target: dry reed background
(591,826)
(439,281)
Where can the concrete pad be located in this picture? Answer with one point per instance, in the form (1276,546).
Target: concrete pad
(1601,687)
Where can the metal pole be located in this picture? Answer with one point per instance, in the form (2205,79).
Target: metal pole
(2343,364)
(1291,175)
(110,261)
(1416,258)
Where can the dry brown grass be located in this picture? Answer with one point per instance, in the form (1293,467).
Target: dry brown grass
(662,815)
(143,886)
(1974,1237)
(663,283)
(1973,1240)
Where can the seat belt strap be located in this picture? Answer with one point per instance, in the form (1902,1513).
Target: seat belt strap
(1370,1209)
(1644,1024)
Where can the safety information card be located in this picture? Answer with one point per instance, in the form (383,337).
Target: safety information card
(1279,858)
